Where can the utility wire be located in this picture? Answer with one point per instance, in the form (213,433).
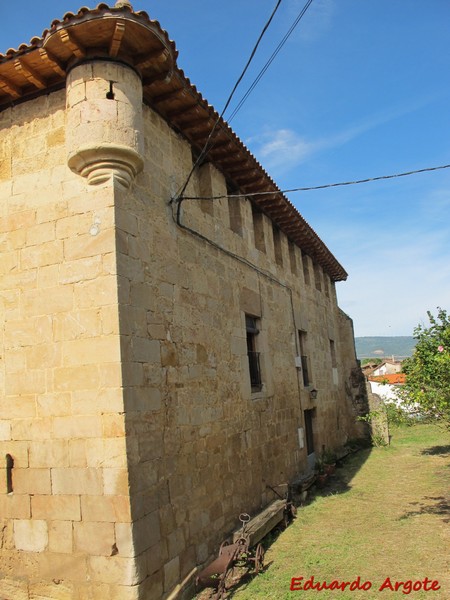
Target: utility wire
(270,61)
(205,147)
(319,187)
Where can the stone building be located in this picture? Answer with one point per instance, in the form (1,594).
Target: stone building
(162,359)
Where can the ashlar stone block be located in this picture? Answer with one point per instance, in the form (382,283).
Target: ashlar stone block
(56,507)
(94,538)
(30,535)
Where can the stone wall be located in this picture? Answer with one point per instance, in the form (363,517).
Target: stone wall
(61,401)
(202,447)
(124,380)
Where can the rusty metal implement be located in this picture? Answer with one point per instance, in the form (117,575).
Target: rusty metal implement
(237,554)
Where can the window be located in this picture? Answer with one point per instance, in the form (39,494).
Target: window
(9,470)
(206,188)
(334,370)
(252,329)
(309,430)
(292,257)
(303,344)
(306,269)
(258,229)
(234,210)
(333,354)
(317,277)
(277,245)
(326,282)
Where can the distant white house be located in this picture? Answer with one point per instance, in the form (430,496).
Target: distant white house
(388,367)
(386,385)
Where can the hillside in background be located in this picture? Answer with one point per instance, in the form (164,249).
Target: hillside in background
(385,346)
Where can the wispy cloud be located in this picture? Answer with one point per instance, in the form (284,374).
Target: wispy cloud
(410,275)
(317,20)
(283,149)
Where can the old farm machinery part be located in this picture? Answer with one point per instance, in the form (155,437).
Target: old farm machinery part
(289,508)
(231,555)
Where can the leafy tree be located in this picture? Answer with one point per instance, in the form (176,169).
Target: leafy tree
(427,384)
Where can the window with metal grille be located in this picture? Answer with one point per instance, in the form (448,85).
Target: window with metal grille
(252,330)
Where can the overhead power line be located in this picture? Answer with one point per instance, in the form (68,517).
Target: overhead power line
(319,187)
(270,61)
(227,103)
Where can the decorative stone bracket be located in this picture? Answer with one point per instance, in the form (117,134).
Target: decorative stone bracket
(102,162)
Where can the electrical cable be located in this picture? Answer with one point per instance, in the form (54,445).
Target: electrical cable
(270,61)
(319,187)
(227,103)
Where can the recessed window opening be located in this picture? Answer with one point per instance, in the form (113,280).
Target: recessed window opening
(303,346)
(306,269)
(333,354)
(258,229)
(205,186)
(110,94)
(277,245)
(309,430)
(334,369)
(326,282)
(252,331)
(234,210)
(9,470)
(317,277)
(292,257)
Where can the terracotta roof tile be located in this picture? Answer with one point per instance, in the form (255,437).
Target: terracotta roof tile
(394,378)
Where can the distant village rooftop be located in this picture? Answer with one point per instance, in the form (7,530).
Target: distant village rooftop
(118,33)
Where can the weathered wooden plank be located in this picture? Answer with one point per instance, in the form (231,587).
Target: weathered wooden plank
(264,522)
(303,483)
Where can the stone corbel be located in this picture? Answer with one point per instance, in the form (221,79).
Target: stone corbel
(106,161)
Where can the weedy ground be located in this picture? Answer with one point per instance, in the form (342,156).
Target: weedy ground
(385,513)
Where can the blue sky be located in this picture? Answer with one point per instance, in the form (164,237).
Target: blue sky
(361,89)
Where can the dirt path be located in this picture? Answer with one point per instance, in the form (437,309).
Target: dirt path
(385,519)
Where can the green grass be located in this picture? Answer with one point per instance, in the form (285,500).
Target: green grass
(385,514)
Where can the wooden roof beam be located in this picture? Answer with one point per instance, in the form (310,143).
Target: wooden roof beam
(193,123)
(155,78)
(233,172)
(53,62)
(148,59)
(235,160)
(220,151)
(222,143)
(72,43)
(248,180)
(174,114)
(260,183)
(270,204)
(37,80)
(166,97)
(11,89)
(116,42)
